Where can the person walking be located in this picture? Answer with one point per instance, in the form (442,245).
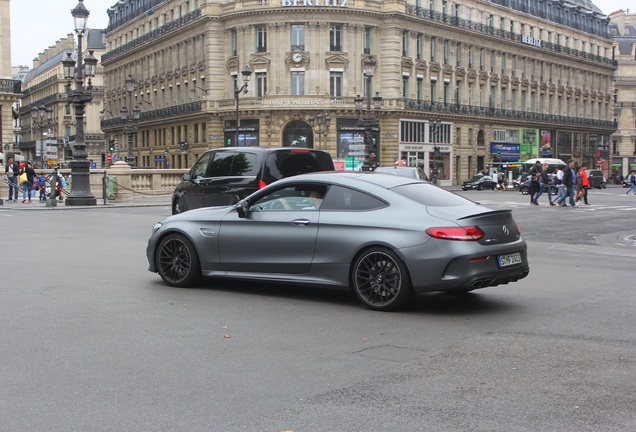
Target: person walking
(558,181)
(631,181)
(535,175)
(41,182)
(544,183)
(569,177)
(12,171)
(28,184)
(585,183)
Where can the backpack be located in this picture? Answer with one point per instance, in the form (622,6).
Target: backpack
(632,179)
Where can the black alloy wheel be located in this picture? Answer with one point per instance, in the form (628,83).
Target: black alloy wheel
(380,280)
(525,190)
(177,261)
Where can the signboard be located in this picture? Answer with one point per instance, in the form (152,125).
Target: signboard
(109,157)
(114,157)
(51,162)
(160,159)
(505,152)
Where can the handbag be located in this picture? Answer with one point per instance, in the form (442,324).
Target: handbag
(23,178)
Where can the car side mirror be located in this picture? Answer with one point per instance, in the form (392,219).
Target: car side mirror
(187,176)
(242,208)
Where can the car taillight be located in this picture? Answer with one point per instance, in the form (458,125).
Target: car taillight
(473,233)
(299,150)
(261,184)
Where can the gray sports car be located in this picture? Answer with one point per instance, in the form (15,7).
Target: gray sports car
(386,237)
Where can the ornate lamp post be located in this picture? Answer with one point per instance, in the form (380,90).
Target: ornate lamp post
(319,121)
(130,117)
(246,73)
(370,119)
(41,116)
(80,165)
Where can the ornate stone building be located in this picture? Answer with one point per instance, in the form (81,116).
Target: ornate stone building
(464,84)
(623,28)
(9,88)
(47,120)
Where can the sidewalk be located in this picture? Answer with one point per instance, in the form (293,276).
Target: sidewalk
(137,201)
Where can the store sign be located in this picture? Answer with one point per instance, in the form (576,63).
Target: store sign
(296,102)
(312,3)
(529,40)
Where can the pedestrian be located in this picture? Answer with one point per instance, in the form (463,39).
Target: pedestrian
(501,180)
(12,171)
(544,183)
(41,182)
(558,181)
(569,177)
(535,176)
(27,184)
(585,184)
(631,182)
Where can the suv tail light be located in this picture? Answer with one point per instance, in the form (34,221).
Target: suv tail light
(472,233)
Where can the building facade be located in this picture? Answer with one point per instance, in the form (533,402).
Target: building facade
(47,121)
(623,29)
(9,87)
(463,84)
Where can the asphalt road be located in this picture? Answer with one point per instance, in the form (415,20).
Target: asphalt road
(91,341)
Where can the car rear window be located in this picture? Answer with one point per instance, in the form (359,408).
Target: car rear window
(430,195)
(287,163)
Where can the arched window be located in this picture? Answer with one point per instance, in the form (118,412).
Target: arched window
(298,133)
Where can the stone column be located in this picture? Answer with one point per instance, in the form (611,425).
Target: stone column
(123,177)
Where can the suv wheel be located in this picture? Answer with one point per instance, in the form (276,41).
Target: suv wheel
(177,206)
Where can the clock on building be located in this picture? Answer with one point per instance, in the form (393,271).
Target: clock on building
(297,57)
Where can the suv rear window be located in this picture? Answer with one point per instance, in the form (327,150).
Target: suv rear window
(287,163)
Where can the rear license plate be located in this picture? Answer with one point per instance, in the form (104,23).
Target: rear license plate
(510,259)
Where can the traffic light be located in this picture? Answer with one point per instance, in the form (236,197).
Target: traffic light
(111,145)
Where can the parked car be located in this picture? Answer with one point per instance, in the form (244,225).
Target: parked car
(411,172)
(480,182)
(224,176)
(524,188)
(596,179)
(386,237)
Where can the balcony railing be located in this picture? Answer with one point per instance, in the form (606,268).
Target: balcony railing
(502,34)
(10,86)
(173,111)
(459,109)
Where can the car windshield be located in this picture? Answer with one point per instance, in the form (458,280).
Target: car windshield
(475,178)
(430,195)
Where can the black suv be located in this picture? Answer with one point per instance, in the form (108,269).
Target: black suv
(225,176)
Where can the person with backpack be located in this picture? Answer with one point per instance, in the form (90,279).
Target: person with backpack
(632,183)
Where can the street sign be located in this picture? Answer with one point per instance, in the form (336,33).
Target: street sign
(114,157)
(93,165)
(51,162)
(109,157)
(165,153)
(160,159)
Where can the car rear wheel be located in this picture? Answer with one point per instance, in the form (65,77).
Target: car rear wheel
(525,190)
(380,280)
(177,261)
(480,186)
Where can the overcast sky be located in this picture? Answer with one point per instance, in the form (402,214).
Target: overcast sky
(37,24)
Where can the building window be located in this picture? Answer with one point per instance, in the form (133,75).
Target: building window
(297,37)
(446,92)
(446,51)
(261,84)
(420,45)
(335,37)
(433,48)
(405,44)
(458,54)
(261,39)
(233,43)
(368,32)
(433,90)
(420,90)
(405,86)
(335,84)
(298,83)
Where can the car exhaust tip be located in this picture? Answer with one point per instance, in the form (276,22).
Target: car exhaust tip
(482,283)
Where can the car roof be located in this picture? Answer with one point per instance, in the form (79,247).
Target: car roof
(256,149)
(355,178)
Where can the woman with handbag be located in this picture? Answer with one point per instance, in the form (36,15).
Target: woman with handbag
(26,181)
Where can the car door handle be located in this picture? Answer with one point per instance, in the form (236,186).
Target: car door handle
(302,222)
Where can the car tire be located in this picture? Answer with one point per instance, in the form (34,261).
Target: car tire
(525,190)
(480,186)
(380,280)
(177,261)
(177,206)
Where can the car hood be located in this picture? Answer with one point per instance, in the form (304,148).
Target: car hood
(207,213)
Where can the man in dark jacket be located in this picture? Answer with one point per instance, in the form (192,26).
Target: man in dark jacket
(535,176)
(569,178)
(12,170)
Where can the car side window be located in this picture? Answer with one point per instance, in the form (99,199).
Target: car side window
(344,199)
(200,168)
(221,164)
(295,197)
(244,164)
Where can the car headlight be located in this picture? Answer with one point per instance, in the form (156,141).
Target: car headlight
(156,227)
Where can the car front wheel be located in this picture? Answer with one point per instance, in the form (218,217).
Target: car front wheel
(177,261)
(177,206)
(380,280)
(525,190)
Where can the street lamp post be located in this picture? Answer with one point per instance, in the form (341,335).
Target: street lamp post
(129,117)
(80,194)
(369,120)
(246,73)
(41,116)
(435,128)
(319,121)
